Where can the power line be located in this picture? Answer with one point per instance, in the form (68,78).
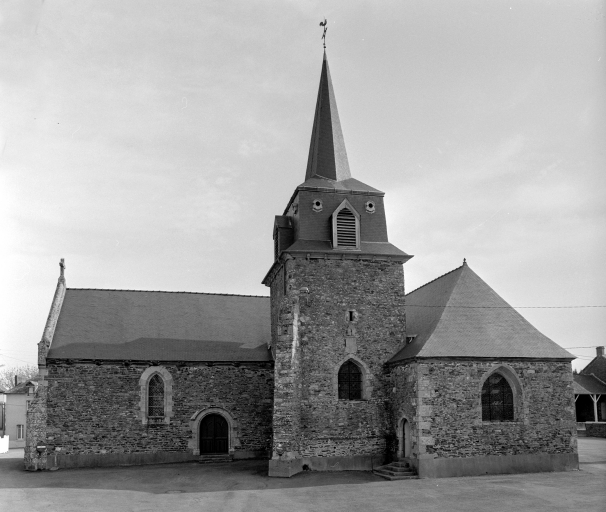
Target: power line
(591,346)
(502,307)
(23,361)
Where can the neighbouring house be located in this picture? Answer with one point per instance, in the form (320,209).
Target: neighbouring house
(16,403)
(338,369)
(3,434)
(590,396)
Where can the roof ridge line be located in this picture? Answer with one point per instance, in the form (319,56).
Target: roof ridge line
(166,291)
(439,277)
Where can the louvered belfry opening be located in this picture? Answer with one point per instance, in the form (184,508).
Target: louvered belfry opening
(346,229)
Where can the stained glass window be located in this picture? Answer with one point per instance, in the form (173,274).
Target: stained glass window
(350,382)
(155,404)
(497,399)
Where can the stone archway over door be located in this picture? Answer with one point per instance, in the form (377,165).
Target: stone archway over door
(214,434)
(405,439)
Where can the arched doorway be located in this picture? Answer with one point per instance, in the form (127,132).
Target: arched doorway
(214,434)
(405,439)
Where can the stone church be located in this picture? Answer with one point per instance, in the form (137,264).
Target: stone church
(338,369)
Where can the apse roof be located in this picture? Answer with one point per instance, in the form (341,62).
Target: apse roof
(459,315)
(167,326)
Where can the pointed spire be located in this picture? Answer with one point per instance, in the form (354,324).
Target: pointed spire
(327,155)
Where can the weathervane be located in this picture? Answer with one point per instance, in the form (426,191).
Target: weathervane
(323,24)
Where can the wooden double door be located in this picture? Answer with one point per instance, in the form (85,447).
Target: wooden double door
(214,434)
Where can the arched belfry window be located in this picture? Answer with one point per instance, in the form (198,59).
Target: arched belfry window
(350,381)
(155,397)
(345,227)
(497,399)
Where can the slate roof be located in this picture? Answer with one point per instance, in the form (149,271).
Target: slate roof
(166,326)
(347,185)
(587,385)
(466,318)
(597,367)
(327,155)
(375,248)
(21,388)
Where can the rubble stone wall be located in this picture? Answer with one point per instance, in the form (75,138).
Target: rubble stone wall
(95,409)
(595,429)
(404,389)
(449,419)
(324,335)
(35,430)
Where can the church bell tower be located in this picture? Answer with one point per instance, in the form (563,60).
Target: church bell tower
(337,311)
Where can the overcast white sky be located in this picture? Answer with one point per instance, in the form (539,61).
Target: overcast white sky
(151,143)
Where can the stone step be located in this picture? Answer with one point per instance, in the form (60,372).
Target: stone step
(214,458)
(396,471)
(388,476)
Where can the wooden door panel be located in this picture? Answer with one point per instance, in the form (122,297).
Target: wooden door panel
(214,434)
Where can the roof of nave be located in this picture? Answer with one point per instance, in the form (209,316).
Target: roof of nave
(459,315)
(167,326)
(588,385)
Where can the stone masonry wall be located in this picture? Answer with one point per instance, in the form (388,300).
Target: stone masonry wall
(450,416)
(374,290)
(595,429)
(96,408)
(404,389)
(35,431)
(287,393)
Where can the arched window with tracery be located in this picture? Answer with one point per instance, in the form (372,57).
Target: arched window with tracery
(350,381)
(155,397)
(497,399)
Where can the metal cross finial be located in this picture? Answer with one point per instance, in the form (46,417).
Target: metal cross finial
(324,24)
(62,266)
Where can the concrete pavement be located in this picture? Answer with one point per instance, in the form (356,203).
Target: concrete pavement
(243,486)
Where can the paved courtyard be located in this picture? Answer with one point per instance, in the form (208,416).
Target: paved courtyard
(244,486)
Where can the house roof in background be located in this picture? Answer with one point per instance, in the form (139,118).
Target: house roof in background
(597,367)
(459,315)
(21,388)
(168,326)
(588,385)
